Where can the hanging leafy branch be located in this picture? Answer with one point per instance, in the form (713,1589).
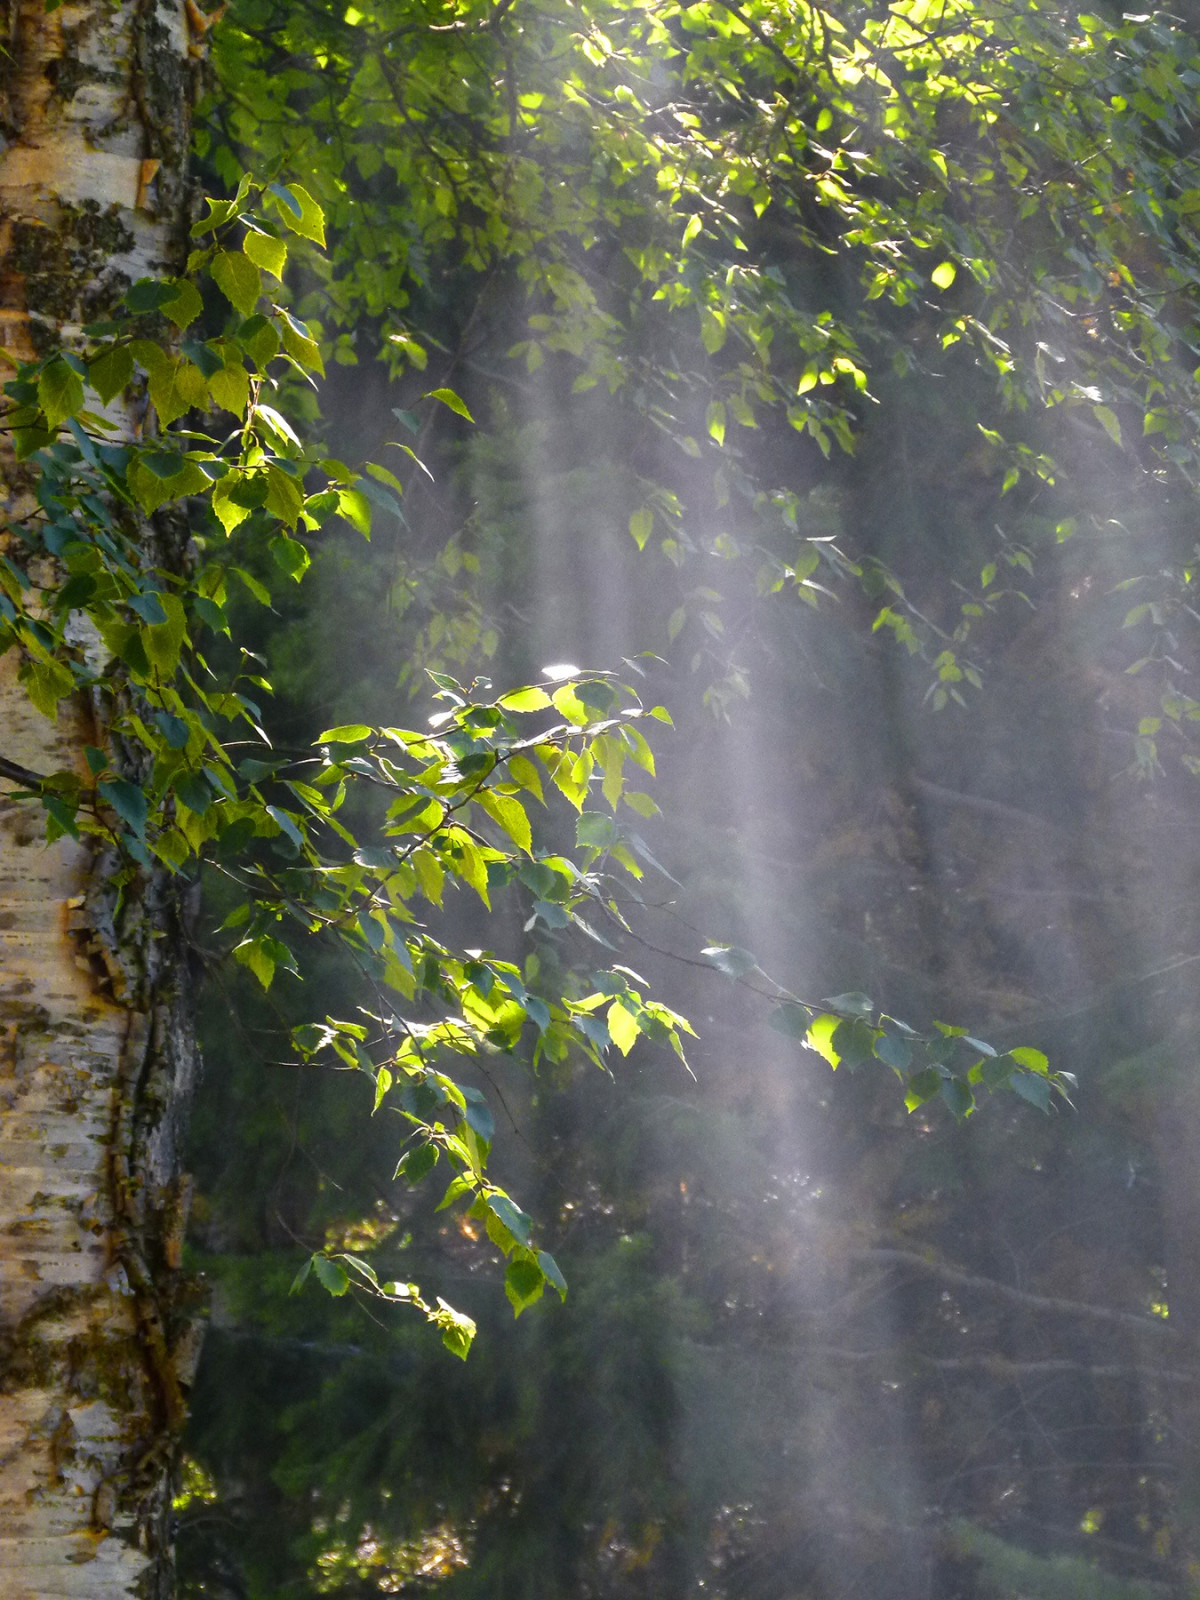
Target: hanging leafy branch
(358,839)
(946,1062)
(184,771)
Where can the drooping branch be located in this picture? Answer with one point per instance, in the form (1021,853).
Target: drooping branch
(1050,1305)
(1004,1370)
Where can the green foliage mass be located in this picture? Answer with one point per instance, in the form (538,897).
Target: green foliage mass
(176,787)
(190,775)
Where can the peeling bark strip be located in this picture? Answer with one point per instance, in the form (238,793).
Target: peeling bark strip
(96,1057)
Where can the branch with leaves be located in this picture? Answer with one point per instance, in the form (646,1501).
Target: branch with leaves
(359,839)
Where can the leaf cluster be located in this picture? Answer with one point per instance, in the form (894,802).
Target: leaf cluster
(188,775)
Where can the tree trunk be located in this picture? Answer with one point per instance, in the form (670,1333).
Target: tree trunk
(96,1054)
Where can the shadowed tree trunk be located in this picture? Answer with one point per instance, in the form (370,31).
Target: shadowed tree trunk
(96,1053)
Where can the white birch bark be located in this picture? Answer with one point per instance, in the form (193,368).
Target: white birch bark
(95,1050)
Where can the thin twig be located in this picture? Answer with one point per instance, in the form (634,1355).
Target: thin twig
(22,775)
(1003,1291)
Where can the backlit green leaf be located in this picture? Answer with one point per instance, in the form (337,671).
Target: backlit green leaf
(331,1275)
(109,373)
(60,392)
(266,252)
(238,279)
(449,398)
(299,211)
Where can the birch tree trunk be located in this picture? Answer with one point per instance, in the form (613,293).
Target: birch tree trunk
(96,1054)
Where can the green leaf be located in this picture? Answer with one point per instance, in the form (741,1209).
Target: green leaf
(509,813)
(288,825)
(150,294)
(641,526)
(643,804)
(996,1072)
(265,252)
(478,1115)
(204,356)
(418,1162)
(522,700)
(299,211)
(1033,1088)
(184,305)
(128,801)
(922,1086)
(551,1272)
(230,388)
(285,496)
(251,583)
(1107,418)
(252,953)
(176,386)
(957,1096)
(303,350)
(820,1037)
(194,793)
(259,338)
(713,330)
(791,1020)
(383,498)
(511,1215)
(150,491)
(458,1331)
(60,818)
(449,398)
(524,1281)
(163,464)
(148,606)
(854,1041)
(414,352)
(46,683)
(730,959)
(111,371)
(525,773)
(175,730)
(59,392)
(385,475)
(284,196)
(229,512)
(853,1004)
(238,279)
(944,274)
(623,1027)
(355,507)
(331,1275)
(277,424)
(894,1051)
(1032,1060)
